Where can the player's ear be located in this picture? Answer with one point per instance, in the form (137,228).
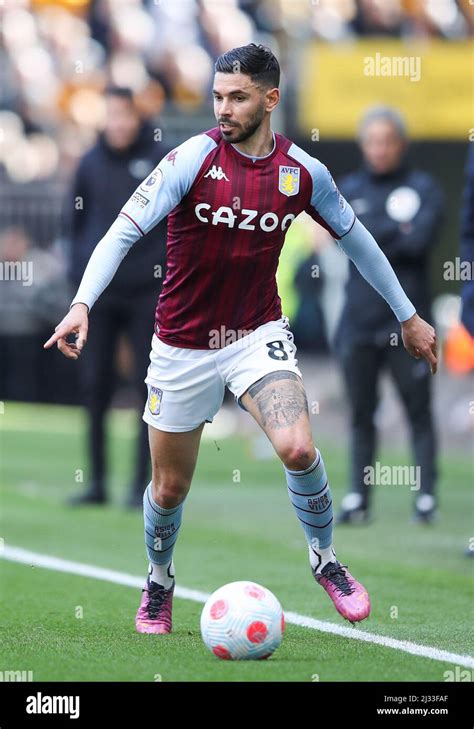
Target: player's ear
(272,97)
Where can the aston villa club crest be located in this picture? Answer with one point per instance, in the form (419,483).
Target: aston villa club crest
(289,180)
(154,400)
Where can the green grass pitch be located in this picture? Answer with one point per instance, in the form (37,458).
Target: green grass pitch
(418,578)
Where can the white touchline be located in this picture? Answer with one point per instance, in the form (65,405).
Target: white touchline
(17,554)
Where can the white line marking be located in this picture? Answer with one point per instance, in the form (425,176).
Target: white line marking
(17,554)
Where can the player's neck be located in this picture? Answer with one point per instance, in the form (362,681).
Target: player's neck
(259,144)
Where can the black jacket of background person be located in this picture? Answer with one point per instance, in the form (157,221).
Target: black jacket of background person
(379,201)
(105,179)
(467,242)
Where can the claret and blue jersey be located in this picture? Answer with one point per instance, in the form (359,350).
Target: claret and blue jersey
(228,214)
(227,218)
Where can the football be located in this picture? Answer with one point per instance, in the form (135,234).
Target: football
(242,621)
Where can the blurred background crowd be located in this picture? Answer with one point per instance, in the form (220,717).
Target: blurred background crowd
(56,57)
(58,123)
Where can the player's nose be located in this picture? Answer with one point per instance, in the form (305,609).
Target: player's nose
(224,110)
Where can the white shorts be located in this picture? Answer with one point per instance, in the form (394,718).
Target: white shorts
(186,386)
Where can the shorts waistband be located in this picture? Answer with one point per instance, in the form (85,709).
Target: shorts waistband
(240,342)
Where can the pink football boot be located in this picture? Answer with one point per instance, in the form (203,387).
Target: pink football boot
(154,613)
(350,598)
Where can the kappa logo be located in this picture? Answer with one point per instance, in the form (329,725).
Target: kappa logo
(217,173)
(171,157)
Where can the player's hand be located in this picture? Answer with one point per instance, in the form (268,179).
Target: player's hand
(419,339)
(75,322)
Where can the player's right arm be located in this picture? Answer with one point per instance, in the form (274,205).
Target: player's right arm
(153,199)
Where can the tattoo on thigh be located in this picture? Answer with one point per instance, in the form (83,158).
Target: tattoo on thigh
(280,398)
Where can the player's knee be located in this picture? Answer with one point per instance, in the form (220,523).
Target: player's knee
(297,456)
(169,491)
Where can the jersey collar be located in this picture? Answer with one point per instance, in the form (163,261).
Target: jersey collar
(256,160)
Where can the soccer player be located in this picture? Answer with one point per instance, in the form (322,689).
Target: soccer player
(230,195)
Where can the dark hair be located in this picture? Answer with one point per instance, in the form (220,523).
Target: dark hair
(383,113)
(122,92)
(256,61)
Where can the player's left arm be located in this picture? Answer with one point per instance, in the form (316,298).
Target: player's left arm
(419,337)
(332,211)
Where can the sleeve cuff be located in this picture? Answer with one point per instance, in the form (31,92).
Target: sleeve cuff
(80,301)
(405,312)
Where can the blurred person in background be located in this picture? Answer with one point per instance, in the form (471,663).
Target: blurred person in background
(124,154)
(467,255)
(300,284)
(32,291)
(458,345)
(402,208)
(379,17)
(467,242)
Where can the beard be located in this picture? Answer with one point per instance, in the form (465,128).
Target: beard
(246,130)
